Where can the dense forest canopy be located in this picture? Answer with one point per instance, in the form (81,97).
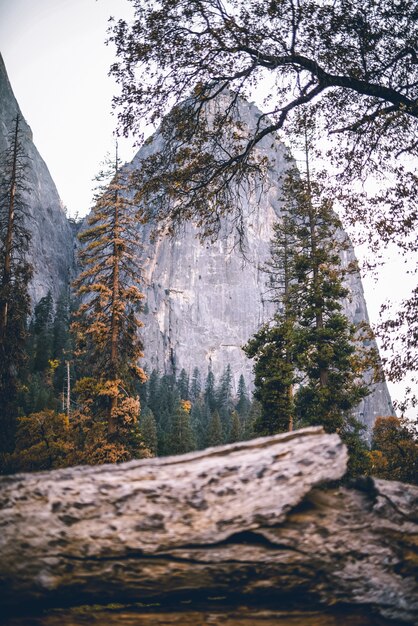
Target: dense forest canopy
(75,392)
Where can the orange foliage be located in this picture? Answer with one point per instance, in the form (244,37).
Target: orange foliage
(186,405)
(395,451)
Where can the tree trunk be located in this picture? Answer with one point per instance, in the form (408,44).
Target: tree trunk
(8,244)
(250,520)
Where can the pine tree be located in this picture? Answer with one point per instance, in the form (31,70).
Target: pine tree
(106,326)
(153,392)
(183,385)
(329,351)
(15,274)
(181,436)
(42,331)
(310,342)
(224,393)
(243,403)
(196,385)
(210,394)
(62,352)
(168,401)
(215,434)
(249,430)
(148,429)
(236,430)
(272,347)
(224,401)
(199,419)
(274,375)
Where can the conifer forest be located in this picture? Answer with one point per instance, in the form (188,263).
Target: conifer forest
(200,338)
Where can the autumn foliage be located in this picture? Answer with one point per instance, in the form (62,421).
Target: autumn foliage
(394,454)
(108,346)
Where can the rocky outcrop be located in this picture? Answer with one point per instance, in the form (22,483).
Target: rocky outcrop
(205,300)
(260,521)
(52,242)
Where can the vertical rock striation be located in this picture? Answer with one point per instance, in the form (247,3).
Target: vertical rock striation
(205,300)
(52,242)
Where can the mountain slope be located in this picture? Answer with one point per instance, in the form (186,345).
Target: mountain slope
(205,300)
(52,243)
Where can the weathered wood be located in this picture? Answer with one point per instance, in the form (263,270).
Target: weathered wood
(246,520)
(237,616)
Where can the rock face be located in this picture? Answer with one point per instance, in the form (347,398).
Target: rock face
(205,300)
(253,521)
(52,240)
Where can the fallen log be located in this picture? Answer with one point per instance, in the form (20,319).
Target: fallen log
(249,521)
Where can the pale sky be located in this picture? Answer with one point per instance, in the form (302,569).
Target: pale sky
(57,64)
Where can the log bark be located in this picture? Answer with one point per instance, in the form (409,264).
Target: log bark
(253,521)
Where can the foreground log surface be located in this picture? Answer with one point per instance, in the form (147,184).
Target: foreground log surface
(238,616)
(252,521)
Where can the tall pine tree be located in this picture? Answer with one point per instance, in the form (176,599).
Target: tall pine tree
(310,342)
(15,274)
(107,323)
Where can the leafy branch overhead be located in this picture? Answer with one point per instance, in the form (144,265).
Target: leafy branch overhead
(349,66)
(354,63)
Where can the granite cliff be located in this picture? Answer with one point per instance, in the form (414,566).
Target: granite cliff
(52,245)
(205,300)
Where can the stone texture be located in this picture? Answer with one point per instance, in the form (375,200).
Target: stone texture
(260,521)
(52,239)
(205,300)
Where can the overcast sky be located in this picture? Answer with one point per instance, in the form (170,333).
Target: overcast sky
(57,64)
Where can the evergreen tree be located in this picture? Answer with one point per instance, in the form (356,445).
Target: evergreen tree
(215,434)
(210,394)
(243,403)
(148,429)
(15,274)
(275,375)
(329,351)
(249,430)
(183,385)
(168,402)
(196,385)
(106,326)
(272,346)
(181,439)
(235,432)
(42,332)
(153,392)
(199,419)
(224,400)
(63,351)
(310,342)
